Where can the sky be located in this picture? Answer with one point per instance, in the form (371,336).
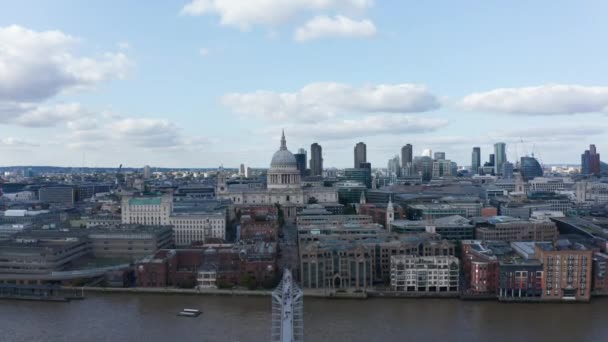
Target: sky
(203,83)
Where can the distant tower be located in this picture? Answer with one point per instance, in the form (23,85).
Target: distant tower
(316,160)
(500,155)
(301,161)
(439,156)
(390,213)
(360,154)
(590,162)
(242,170)
(519,183)
(362,199)
(147,172)
(475,160)
(221,186)
(407,156)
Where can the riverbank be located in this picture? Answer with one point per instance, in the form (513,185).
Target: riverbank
(307,293)
(194,292)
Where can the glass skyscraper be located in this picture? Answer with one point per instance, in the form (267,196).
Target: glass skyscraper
(530,168)
(500,155)
(475,160)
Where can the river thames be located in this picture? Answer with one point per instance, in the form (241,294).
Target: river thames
(128,317)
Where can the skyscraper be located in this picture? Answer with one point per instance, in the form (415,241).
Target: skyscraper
(393,167)
(316,160)
(530,168)
(301,161)
(407,156)
(590,162)
(475,160)
(500,153)
(147,172)
(360,154)
(439,156)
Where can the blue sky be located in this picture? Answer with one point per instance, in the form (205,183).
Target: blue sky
(208,82)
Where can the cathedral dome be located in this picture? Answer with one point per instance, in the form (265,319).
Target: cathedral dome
(283,159)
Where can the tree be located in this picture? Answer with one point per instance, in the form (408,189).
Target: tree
(280,215)
(248,281)
(223,283)
(349,210)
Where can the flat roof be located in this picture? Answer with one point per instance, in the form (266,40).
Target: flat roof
(145,201)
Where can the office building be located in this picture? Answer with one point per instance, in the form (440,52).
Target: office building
(423,167)
(415,274)
(507,170)
(500,155)
(394,167)
(433,211)
(475,160)
(190,225)
(242,170)
(361,175)
(407,156)
(439,156)
(567,270)
(453,227)
(58,196)
(360,154)
(530,168)
(301,161)
(442,168)
(42,252)
(316,160)
(129,242)
(504,228)
(590,162)
(147,172)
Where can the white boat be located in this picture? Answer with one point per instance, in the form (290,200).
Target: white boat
(189,313)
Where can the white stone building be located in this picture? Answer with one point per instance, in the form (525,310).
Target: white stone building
(410,273)
(188,227)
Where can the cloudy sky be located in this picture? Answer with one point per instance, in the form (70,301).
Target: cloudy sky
(199,83)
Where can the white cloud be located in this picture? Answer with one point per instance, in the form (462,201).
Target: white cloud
(204,52)
(374,125)
(336,27)
(46,116)
(17,143)
(124,46)
(35,66)
(552,99)
(318,101)
(33,115)
(244,14)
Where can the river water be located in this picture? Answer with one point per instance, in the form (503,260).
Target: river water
(142,318)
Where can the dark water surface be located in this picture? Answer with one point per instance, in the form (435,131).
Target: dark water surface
(122,317)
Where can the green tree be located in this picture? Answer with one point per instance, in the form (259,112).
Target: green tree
(249,282)
(349,210)
(280,215)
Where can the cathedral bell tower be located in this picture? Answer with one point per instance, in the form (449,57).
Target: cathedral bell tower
(221,187)
(390,214)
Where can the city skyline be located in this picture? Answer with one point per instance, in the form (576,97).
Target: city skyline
(192,85)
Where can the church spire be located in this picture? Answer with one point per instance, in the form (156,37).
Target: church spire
(283,141)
